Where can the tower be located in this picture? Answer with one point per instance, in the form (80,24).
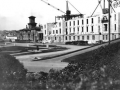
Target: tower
(32,23)
(68,12)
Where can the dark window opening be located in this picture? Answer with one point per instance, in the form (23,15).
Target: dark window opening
(66,31)
(73,30)
(115,27)
(74,23)
(78,22)
(106,37)
(92,20)
(78,29)
(78,37)
(82,22)
(82,37)
(70,23)
(56,31)
(66,37)
(87,37)
(73,37)
(60,31)
(87,21)
(66,24)
(70,30)
(105,27)
(92,28)
(70,37)
(82,29)
(87,28)
(93,37)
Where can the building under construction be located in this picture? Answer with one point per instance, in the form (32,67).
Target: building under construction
(77,27)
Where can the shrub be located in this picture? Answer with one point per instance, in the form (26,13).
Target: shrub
(77,43)
(94,70)
(22,41)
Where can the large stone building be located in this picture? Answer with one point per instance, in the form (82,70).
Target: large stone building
(31,32)
(91,29)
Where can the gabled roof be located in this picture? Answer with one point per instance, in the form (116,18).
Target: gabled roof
(25,29)
(36,28)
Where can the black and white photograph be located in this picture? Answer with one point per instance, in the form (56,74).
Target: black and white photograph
(59,44)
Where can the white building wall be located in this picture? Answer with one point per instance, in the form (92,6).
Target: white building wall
(91,35)
(58,31)
(118,22)
(47,30)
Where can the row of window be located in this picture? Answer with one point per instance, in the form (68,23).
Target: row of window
(106,27)
(92,28)
(78,22)
(87,21)
(82,28)
(45,26)
(57,32)
(54,32)
(105,37)
(78,37)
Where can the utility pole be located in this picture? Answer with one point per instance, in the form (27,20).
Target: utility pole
(104,4)
(109,16)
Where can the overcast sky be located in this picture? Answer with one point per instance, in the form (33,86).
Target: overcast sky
(14,13)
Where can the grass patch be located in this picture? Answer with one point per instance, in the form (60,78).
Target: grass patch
(96,58)
(12,73)
(22,41)
(16,48)
(2,42)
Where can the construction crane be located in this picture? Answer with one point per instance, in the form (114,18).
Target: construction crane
(67,15)
(104,10)
(53,6)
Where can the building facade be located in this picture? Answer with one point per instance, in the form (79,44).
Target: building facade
(91,29)
(31,32)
